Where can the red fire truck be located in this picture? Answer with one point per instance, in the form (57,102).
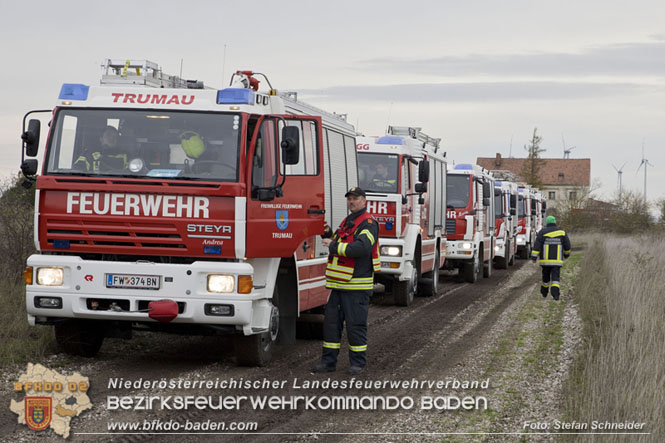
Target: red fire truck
(395,170)
(162,204)
(505,214)
(470,229)
(526,209)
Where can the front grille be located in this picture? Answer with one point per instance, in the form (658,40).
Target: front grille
(86,235)
(450,226)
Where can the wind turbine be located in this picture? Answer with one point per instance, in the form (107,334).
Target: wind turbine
(619,173)
(646,163)
(566,152)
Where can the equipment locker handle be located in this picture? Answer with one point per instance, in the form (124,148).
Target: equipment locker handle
(316,211)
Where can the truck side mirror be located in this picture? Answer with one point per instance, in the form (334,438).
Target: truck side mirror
(29,167)
(513,211)
(533,205)
(544,206)
(290,145)
(487,190)
(513,201)
(421,187)
(486,201)
(31,138)
(423,171)
(497,192)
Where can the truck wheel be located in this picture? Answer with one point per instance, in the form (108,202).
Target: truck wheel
(471,270)
(429,286)
(487,269)
(502,262)
(79,337)
(403,291)
(511,261)
(256,349)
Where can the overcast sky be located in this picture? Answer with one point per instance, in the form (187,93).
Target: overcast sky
(477,74)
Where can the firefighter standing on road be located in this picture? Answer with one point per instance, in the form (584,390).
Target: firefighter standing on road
(353,259)
(552,246)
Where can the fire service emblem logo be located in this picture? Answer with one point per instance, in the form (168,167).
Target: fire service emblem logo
(38,412)
(282,219)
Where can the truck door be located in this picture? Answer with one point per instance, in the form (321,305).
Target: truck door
(284,202)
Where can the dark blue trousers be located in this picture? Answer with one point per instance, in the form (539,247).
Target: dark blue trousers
(350,307)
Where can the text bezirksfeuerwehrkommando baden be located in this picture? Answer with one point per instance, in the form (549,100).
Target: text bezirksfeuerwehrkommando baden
(352,394)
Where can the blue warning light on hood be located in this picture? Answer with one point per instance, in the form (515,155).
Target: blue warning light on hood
(74,91)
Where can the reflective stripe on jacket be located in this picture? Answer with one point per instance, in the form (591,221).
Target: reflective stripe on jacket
(552,246)
(354,254)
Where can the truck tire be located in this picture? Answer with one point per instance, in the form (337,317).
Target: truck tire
(501,263)
(429,285)
(256,349)
(487,269)
(511,260)
(79,337)
(471,269)
(403,291)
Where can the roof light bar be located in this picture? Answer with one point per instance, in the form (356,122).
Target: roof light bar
(235,96)
(74,91)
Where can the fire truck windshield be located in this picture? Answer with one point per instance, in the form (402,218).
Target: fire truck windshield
(145,144)
(498,206)
(378,172)
(457,191)
(520,207)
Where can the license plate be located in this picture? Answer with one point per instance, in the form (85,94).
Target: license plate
(133,281)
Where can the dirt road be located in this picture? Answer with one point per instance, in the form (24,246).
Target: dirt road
(453,335)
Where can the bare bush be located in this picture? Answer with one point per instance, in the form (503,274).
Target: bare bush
(16,230)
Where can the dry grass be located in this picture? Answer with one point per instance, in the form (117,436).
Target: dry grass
(620,376)
(20,342)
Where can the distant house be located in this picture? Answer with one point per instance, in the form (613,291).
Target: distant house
(562,178)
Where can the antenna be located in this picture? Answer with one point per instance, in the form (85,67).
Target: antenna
(510,152)
(224,64)
(390,111)
(646,163)
(566,152)
(619,174)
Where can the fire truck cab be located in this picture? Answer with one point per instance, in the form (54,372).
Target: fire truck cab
(404,173)
(505,211)
(162,204)
(470,221)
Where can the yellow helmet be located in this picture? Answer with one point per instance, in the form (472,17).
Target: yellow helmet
(192,144)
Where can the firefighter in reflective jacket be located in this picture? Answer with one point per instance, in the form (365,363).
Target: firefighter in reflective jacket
(353,259)
(552,246)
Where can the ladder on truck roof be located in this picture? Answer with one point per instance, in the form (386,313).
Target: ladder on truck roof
(416,133)
(143,73)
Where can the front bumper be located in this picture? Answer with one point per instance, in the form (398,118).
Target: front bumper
(460,250)
(85,284)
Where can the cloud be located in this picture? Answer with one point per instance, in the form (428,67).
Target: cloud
(479,91)
(611,60)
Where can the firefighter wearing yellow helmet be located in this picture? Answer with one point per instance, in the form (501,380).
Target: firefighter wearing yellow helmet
(192,144)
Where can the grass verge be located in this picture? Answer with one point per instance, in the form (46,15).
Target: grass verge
(619,375)
(20,342)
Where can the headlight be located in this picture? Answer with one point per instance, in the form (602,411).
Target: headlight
(50,276)
(466,245)
(393,251)
(220,283)
(497,248)
(135,165)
